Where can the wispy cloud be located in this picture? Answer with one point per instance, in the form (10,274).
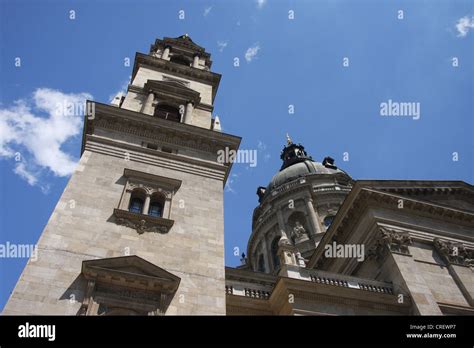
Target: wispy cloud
(252,52)
(464,24)
(207,10)
(122,90)
(34,130)
(229,185)
(262,149)
(260,3)
(222,45)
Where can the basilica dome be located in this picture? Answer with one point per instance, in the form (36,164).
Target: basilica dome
(298,170)
(297,164)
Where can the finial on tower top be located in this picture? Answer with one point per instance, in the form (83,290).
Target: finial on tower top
(288,139)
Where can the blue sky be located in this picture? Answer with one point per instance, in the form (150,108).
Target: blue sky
(296,62)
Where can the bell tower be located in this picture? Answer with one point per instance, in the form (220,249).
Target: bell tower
(139,228)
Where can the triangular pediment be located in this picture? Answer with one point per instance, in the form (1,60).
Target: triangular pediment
(171,83)
(129,269)
(184,40)
(174,88)
(450,194)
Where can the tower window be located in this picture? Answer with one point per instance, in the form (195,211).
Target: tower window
(167,112)
(136,205)
(155,209)
(180,60)
(157,202)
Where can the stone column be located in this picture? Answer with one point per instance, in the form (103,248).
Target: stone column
(166,209)
(146,206)
(313,217)
(126,200)
(148,106)
(281,224)
(196,61)
(166,53)
(188,113)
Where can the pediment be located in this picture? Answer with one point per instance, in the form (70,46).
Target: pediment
(130,270)
(171,86)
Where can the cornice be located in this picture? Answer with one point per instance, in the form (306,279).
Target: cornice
(359,199)
(185,164)
(171,183)
(249,276)
(190,73)
(197,137)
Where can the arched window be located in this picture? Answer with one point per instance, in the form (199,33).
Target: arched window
(167,112)
(275,258)
(328,220)
(156,209)
(261,263)
(137,201)
(136,205)
(157,202)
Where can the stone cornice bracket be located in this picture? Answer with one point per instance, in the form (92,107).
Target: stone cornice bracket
(454,253)
(142,223)
(392,240)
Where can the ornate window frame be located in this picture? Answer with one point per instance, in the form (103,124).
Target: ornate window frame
(150,185)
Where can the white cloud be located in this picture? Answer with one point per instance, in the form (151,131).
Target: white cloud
(464,24)
(21,170)
(251,53)
(260,3)
(122,90)
(230,182)
(34,131)
(222,45)
(207,11)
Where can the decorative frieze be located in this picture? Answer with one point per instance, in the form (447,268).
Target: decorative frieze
(142,223)
(390,239)
(454,253)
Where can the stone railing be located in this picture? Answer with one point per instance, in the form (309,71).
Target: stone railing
(248,292)
(350,282)
(265,295)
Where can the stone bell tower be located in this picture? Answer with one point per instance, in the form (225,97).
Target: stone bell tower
(139,228)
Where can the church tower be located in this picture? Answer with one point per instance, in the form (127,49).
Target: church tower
(139,228)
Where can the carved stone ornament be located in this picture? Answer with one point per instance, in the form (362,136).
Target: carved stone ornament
(389,239)
(298,231)
(142,223)
(455,253)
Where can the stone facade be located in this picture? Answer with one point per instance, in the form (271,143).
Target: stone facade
(416,243)
(97,257)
